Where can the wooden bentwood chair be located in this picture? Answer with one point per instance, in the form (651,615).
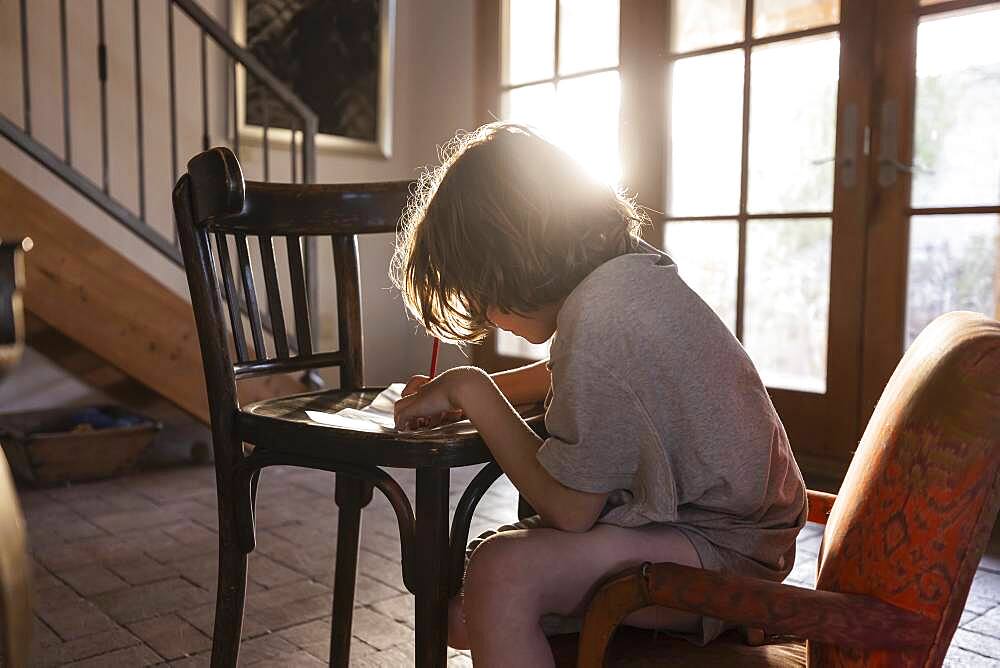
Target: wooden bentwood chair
(902,541)
(213,202)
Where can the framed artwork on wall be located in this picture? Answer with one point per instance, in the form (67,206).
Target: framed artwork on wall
(337,56)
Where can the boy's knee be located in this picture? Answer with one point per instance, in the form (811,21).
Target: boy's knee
(496,568)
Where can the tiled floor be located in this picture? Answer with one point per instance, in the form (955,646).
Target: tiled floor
(125,574)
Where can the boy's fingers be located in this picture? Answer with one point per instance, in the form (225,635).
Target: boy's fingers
(414,384)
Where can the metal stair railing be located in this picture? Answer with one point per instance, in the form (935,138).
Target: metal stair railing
(301,147)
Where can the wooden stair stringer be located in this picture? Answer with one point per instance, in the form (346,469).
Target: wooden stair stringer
(95,296)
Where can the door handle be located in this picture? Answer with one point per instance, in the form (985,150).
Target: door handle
(888,144)
(889,165)
(847,151)
(845,156)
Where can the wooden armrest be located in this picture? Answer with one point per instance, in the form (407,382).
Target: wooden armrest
(820,504)
(829,617)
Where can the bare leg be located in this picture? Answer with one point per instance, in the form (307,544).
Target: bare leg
(515,577)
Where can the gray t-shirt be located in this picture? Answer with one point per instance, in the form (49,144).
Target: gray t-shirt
(654,401)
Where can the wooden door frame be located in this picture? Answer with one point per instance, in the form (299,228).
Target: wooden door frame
(888,217)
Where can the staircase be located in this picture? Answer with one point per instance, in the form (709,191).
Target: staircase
(90,308)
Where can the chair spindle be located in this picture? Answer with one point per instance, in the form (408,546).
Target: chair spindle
(250,296)
(299,303)
(232,299)
(273,297)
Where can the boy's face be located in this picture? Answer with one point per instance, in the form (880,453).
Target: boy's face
(536,326)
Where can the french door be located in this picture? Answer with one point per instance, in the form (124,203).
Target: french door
(764,193)
(934,228)
(829,173)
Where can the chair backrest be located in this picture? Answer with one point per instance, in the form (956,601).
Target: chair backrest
(213,203)
(917,506)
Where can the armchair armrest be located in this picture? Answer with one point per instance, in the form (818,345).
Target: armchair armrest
(820,504)
(829,617)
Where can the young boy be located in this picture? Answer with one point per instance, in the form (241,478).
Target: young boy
(663,443)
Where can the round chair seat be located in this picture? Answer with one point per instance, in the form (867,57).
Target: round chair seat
(301,424)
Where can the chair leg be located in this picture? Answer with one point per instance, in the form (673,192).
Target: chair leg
(352,495)
(246,504)
(432,568)
(524,509)
(230,598)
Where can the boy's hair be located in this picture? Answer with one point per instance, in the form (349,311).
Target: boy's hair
(507,220)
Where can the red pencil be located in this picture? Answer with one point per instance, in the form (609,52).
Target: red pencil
(434,357)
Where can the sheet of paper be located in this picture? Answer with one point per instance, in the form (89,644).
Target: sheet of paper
(378,416)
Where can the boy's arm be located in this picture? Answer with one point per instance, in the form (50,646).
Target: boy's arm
(525,385)
(513,444)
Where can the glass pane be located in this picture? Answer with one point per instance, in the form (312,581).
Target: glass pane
(787,301)
(587,122)
(773,17)
(953,266)
(696,24)
(511,345)
(707,257)
(956,141)
(582,117)
(532,105)
(706,135)
(531,35)
(793,107)
(588,35)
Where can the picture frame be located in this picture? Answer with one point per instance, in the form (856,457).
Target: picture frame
(304,42)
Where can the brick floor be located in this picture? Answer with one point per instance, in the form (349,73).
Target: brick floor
(125,574)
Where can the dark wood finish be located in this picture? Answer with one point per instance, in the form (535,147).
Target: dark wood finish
(645,113)
(11,302)
(232,298)
(320,209)
(352,495)
(951,210)
(475,490)
(274,307)
(214,200)
(286,364)
(431,613)
(888,231)
(345,255)
(300,302)
(250,296)
(285,424)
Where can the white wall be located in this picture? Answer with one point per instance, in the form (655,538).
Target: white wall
(433,96)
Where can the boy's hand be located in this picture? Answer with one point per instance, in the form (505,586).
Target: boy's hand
(414,384)
(429,403)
